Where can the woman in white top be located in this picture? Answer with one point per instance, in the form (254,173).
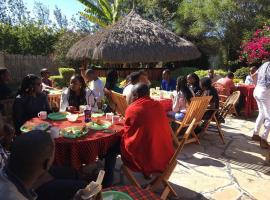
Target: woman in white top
(262,96)
(77,94)
(181,100)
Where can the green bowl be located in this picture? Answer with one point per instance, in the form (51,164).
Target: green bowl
(77,132)
(57,116)
(97,127)
(115,195)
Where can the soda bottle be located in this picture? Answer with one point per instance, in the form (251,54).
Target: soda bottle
(87,114)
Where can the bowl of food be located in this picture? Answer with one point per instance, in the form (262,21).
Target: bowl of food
(72,117)
(74,131)
(99,124)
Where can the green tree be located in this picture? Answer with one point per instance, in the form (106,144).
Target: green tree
(63,44)
(101,12)
(60,18)
(221,24)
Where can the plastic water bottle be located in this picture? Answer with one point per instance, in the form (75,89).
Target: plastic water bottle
(87,114)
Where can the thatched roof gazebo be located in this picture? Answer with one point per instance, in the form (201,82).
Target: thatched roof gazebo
(134,40)
(83,49)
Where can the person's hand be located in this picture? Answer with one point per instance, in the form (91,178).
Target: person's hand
(71,109)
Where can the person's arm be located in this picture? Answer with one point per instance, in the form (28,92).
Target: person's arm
(18,114)
(83,74)
(176,105)
(91,100)
(47,105)
(64,101)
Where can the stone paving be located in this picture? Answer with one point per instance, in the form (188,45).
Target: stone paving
(238,170)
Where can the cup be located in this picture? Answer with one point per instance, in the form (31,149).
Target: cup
(82,108)
(109,116)
(161,95)
(157,89)
(55,132)
(42,115)
(115,119)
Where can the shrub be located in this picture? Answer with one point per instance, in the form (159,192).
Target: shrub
(204,73)
(58,81)
(66,73)
(183,71)
(201,73)
(241,73)
(63,79)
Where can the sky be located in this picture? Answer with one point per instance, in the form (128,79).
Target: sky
(68,7)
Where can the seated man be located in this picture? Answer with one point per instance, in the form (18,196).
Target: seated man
(94,83)
(46,82)
(249,80)
(167,83)
(214,77)
(228,83)
(146,144)
(31,156)
(134,79)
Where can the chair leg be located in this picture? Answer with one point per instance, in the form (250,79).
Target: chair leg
(195,136)
(130,177)
(167,184)
(165,193)
(221,135)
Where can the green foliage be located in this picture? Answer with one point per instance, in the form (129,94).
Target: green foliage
(204,73)
(66,73)
(28,38)
(58,81)
(63,79)
(101,12)
(63,44)
(241,73)
(220,24)
(183,71)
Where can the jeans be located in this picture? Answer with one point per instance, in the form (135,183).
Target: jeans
(110,162)
(64,186)
(262,96)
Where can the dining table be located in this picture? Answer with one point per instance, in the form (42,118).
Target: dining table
(134,192)
(85,149)
(250,104)
(164,99)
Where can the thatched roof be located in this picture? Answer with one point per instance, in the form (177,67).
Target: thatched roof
(134,40)
(83,49)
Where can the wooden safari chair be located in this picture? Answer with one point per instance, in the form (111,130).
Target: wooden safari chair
(120,102)
(54,101)
(233,100)
(222,91)
(7,109)
(196,111)
(216,117)
(163,178)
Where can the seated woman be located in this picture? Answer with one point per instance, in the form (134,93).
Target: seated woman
(29,101)
(112,80)
(180,101)
(209,90)
(194,84)
(77,94)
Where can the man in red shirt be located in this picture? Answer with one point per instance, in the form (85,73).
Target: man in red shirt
(146,144)
(228,83)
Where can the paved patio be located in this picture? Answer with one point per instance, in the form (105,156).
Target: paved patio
(236,170)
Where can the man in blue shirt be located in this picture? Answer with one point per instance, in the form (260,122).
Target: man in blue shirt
(167,83)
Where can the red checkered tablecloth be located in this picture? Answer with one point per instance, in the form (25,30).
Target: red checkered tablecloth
(83,150)
(250,104)
(135,192)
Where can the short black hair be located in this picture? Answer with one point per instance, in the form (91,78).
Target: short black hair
(44,71)
(28,153)
(166,71)
(230,75)
(135,77)
(141,90)
(89,71)
(206,82)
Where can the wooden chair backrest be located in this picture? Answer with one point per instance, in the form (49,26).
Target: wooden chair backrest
(120,102)
(221,89)
(8,106)
(108,95)
(173,161)
(54,100)
(196,109)
(233,98)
